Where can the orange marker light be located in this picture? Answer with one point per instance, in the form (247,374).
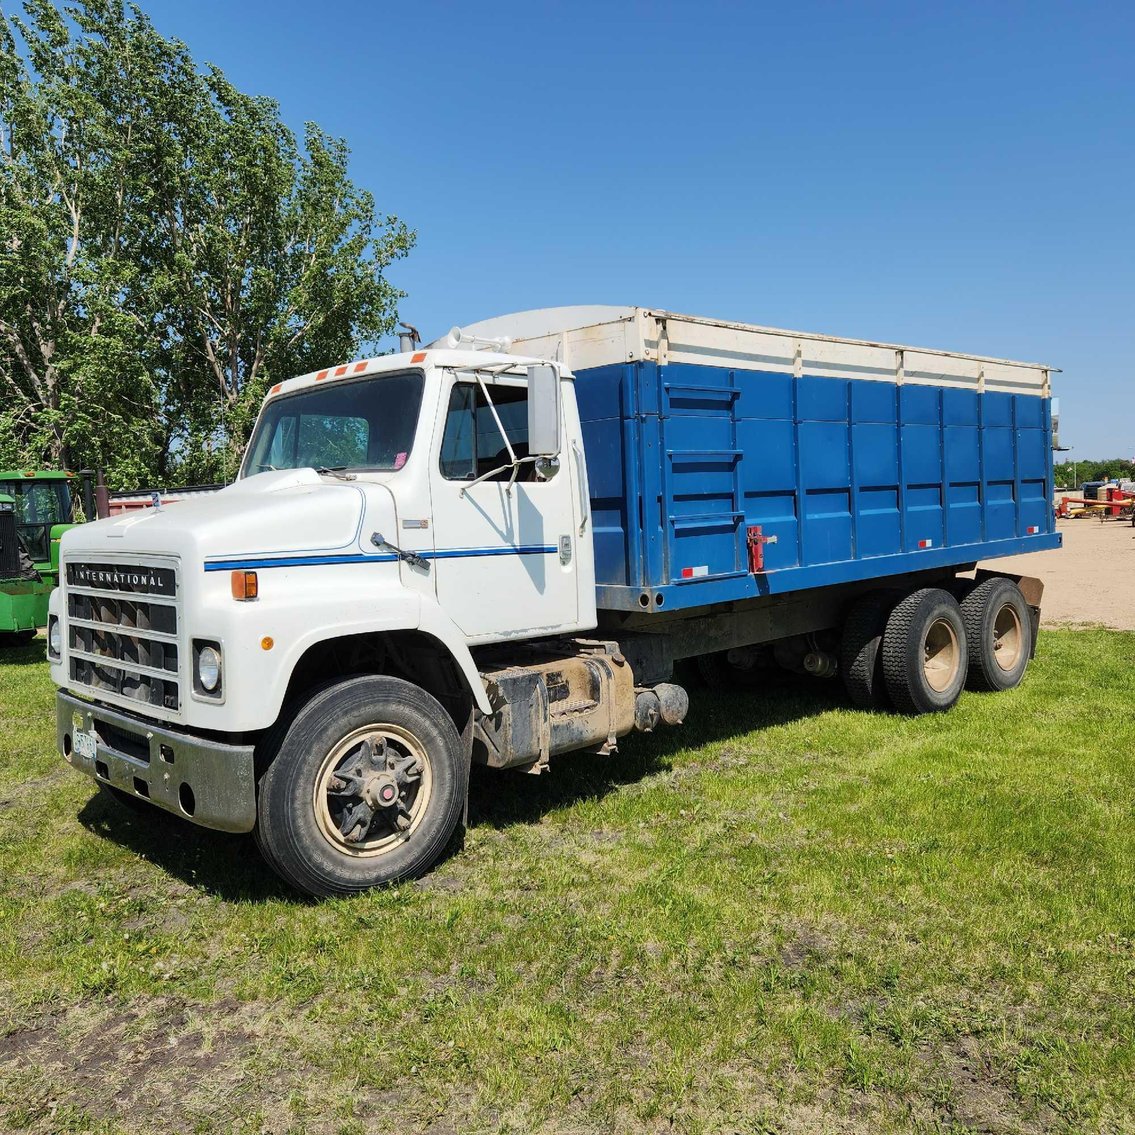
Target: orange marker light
(245,585)
(267,642)
(276,389)
(420,357)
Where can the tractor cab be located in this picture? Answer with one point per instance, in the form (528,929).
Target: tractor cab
(36,508)
(40,501)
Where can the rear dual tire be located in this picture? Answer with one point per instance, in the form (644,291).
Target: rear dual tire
(918,652)
(906,652)
(860,660)
(999,634)
(924,652)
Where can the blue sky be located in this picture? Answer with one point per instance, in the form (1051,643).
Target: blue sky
(948,175)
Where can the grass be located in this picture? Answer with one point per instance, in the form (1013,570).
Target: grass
(787,916)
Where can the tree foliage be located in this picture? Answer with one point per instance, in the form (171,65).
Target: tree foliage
(1072,474)
(167,249)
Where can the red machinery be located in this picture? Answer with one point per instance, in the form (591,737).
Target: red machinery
(1113,503)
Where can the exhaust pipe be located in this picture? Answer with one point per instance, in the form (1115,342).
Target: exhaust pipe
(102,497)
(408,340)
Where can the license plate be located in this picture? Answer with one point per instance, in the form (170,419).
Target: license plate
(86,745)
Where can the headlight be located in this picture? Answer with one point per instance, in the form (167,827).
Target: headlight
(54,637)
(209,668)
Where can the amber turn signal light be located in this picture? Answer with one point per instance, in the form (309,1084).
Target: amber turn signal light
(245,585)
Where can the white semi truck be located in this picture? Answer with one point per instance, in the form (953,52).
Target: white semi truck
(496,547)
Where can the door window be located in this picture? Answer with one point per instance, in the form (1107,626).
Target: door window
(472,446)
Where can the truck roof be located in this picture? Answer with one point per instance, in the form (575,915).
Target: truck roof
(464,359)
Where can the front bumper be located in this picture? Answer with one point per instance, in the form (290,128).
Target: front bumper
(209,782)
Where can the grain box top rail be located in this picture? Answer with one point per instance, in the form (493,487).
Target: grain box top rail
(592,336)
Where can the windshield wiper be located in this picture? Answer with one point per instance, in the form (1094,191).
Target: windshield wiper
(336,471)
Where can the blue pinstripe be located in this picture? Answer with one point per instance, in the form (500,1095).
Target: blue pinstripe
(255,564)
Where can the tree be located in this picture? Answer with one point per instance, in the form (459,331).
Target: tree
(167,249)
(1074,473)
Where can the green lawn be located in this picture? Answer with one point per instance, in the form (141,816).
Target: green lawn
(786,916)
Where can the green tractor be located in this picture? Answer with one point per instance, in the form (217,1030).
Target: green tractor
(36,508)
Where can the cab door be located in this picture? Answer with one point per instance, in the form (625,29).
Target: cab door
(505,555)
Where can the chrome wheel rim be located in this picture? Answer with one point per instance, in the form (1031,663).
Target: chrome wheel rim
(372,790)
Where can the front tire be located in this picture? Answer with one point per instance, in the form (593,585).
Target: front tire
(924,652)
(366,789)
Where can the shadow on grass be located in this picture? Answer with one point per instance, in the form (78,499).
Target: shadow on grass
(231,868)
(499,800)
(31,654)
(218,863)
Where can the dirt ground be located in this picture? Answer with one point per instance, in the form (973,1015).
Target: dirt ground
(1089,580)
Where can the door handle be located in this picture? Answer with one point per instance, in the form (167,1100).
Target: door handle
(584,502)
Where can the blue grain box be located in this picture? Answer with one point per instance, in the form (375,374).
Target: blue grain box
(840,459)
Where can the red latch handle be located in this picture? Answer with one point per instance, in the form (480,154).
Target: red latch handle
(757,541)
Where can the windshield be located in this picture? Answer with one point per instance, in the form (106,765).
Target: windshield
(39,505)
(368,424)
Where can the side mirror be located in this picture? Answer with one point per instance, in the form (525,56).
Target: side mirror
(543,411)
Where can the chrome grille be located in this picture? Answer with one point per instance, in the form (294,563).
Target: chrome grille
(122,632)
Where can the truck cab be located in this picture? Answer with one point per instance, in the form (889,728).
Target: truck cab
(392,516)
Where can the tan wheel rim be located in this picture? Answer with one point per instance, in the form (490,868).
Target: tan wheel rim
(372,790)
(941,655)
(1008,637)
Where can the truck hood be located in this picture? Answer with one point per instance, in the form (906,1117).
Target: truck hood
(290,512)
